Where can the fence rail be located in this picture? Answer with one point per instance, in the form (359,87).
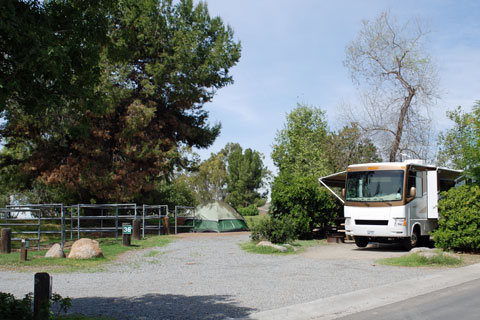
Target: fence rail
(91,218)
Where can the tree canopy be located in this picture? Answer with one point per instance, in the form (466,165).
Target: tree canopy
(460,146)
(233,175)
(398,80)
(300,146)
(157,65)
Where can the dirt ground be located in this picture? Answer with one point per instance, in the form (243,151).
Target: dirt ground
(348,250)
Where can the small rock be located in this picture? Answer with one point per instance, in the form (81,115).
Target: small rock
(85,249)
(422,249)
(55,252)
(269,244)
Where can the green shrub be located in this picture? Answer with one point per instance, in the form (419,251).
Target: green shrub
(275,230)
(459,226)
(22,309)
(302,199)
(251,210)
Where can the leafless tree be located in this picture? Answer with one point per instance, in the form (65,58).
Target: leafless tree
(398,83)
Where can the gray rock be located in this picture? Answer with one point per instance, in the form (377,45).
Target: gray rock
(55,252)
(422,249)
(85,249)
(269,244)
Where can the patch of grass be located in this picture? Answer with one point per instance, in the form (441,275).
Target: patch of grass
(254,220)
(417,260)
(111,250)
(296,247)
(152,253)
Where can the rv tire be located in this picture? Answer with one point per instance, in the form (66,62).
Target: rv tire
(361,242)
(413,241)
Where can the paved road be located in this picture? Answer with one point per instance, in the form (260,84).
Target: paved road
(459,302)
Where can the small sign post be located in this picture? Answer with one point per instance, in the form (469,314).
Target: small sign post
(23,250)
(126,234)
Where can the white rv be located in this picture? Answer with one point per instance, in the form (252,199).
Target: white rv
(391,201)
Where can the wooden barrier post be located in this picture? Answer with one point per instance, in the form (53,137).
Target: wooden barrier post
(23,251)
(166,226)
(41,297)
(6,243)
(136,229)
(126,233)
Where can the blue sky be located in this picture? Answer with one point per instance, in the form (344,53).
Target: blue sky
(292,52)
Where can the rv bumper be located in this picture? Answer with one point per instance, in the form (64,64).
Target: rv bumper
(376,231)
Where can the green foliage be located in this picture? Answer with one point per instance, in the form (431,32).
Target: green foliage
(16,309)
(22,309)
(460,146)
(246,174)
(171,193)
(305,150)
(210,179)
(302,199)
(459,228)
(252,221)
(349,146)
(300,147)
(418,260)
(231,175)
(251,210)
(275,230)
(149,66)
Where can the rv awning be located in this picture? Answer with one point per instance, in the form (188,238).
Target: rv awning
(449,174)
(335,180)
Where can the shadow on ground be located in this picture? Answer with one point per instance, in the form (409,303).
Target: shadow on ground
(159,306)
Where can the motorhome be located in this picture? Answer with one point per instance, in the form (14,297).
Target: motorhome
(391,201)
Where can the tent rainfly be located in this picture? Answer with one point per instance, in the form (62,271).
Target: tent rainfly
(217,216)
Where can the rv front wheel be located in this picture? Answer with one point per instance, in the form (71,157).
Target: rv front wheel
(361,242)
(413,241)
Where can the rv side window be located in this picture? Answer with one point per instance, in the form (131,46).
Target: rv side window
(415,179)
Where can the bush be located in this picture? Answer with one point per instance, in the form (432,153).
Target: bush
(459,226)
(275,230)
(301,198)
(22,309)
(251,210)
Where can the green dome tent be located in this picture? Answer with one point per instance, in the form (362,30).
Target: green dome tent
(217,216)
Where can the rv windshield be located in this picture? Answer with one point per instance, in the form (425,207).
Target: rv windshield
(375,186)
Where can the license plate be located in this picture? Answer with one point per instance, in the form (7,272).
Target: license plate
(370,233)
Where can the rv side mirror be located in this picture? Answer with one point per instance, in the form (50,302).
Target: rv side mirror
(413,192)
(343,192)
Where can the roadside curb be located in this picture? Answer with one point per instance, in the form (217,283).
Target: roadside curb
(366,299)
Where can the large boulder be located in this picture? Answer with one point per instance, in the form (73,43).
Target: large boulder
(55,252)
(85,249)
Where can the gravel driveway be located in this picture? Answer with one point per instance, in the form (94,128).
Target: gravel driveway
(208,276)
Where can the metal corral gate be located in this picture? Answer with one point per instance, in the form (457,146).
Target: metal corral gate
(107,219)
(184,218)
(9,218)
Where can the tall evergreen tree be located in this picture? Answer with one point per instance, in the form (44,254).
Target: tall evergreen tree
(162,62)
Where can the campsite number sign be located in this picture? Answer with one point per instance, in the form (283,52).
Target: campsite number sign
(127,229)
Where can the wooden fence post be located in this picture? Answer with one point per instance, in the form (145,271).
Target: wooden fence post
(6,243)
(166,227)
(136,229)
(126,241)
(41,297)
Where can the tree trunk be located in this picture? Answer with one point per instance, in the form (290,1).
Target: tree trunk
(401,121)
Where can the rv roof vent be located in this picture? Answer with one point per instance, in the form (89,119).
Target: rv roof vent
(415,161)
